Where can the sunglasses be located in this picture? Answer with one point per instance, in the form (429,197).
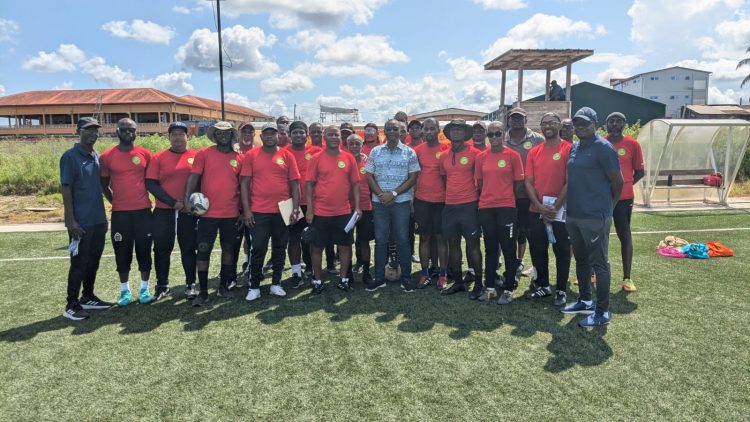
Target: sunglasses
(126,130)
(392,129)
(371,130)
(498,134)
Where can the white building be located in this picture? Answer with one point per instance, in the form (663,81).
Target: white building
(674,86)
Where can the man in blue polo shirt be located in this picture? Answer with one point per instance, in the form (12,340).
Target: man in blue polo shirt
(84,219)
(392,170)
(594,186)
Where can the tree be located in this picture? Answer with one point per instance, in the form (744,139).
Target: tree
(742,63)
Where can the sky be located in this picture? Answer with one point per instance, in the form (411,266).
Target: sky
(378,56)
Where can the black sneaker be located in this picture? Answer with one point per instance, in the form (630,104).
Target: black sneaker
(374,285)
(434,272)
(307,274)
(93,302)
(561,298)
(455,288)
(476,291)
(224,292)
(297,281)
(232,284)
(160,293)
(366,278)
(190,292)
(201,300)
(344,285)
(75,312)
(407,286)
(468,277)
(540,292)
(317,288)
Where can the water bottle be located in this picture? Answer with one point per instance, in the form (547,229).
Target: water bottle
(550,234)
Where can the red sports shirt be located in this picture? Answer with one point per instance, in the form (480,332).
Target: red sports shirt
(219,181)
(631,158)
(498,172)
(459,172)
(333,177)
(270,175)
(430,186)
(303,158)
(366,148)
(127,177)
(548,167)
(171,170)
(365,202)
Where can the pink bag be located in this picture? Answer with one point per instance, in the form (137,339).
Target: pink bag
(671,252)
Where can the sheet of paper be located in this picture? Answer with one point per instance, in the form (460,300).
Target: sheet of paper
(550,200)
(352,222)
(285,208)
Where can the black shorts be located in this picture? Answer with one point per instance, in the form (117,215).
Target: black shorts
(522,221)
(330,231)
(229,235)
(622,213)
(461,220)
(428,217)
(366,227)
(296,229)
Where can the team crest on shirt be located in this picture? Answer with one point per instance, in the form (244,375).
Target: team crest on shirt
(136,160)
(556,156)
(501,163)
(362,170)
(527,145)
(190,160)
(464,160)
(308,156)
(233,162)
(280,161)
(621,152)
(437,155)
(341,164)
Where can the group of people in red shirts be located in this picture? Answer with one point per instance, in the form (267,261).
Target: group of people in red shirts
(505,185)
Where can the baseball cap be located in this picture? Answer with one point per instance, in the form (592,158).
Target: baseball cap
(85,122)
(587,114)
(481,124)
(517,110)
(177,125)
(347,126)
(269,126)
(244,124)
(616,114)
(298,124)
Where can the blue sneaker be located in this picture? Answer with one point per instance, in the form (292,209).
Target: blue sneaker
(124,298)
(595,320)
(143,296)
(578,308)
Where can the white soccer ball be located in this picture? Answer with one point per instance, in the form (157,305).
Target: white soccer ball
(392,274)
(199,203)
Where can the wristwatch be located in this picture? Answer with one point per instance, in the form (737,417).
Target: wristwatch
(394,193)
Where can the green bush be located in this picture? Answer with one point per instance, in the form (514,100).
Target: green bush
(33,167)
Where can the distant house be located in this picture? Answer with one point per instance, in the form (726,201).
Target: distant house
(674,86)
(43,113)
(605,101)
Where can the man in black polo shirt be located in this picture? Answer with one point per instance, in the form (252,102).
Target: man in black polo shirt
(84,219)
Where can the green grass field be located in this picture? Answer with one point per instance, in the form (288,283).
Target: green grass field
(677,349)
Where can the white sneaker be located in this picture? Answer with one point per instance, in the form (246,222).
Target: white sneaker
(277,290)
(252,294)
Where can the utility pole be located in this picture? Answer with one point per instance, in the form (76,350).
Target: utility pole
(221,59)
(295,112)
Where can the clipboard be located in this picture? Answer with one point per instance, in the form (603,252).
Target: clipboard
(285,208)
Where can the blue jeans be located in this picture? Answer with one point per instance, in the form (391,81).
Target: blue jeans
(395,219)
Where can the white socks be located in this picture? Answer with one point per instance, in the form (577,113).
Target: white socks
(124,287)
(297,269)
(144,284)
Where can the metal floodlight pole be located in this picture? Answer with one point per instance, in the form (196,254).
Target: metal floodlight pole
(221,59)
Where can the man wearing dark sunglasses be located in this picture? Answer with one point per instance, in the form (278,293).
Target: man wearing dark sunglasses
(123,179)
(460,211)
(567,131)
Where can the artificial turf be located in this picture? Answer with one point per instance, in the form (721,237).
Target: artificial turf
(678,348)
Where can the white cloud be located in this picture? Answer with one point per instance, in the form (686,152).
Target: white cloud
(619,65)
(723,70)
(114,76)
(8,29)
(728,96)
(235,98)
(2,90)
(316,70)
(311,39)
(139,30)
(64,85)
(174,82)
(729,39)
(463,69)
(286,83)
(181,9)
(288,14)
(362,49)
(539,28)
(242,58)
(65,58)
(502,4)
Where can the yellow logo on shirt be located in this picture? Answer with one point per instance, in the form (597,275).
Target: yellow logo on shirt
(464,160)
(556,156)
(527,145)
(233,163)
(280,161)
(437,155)
(136,160)
(501,164)
(341,164)
(621,151)
(190,160)
(362,170)
(308,156)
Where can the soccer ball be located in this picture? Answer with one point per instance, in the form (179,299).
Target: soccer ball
(392,274)
(199,203)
